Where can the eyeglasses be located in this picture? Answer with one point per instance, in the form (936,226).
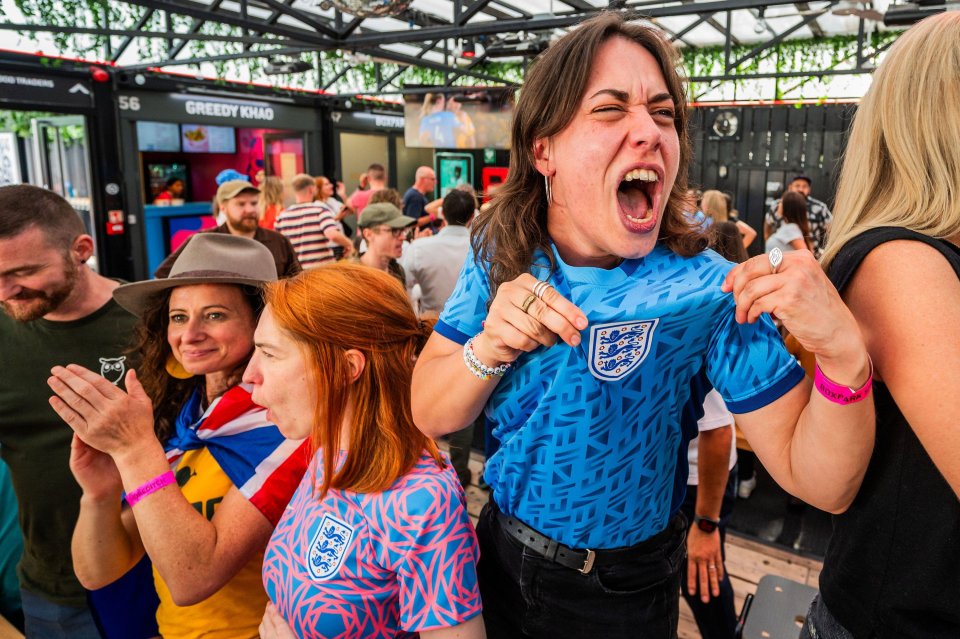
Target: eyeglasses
(394,232)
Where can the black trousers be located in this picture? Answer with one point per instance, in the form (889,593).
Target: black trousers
(525,595)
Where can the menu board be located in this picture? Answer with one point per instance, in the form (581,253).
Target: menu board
(203,138)
(158,136)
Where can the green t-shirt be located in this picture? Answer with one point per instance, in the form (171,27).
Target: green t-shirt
(35,442)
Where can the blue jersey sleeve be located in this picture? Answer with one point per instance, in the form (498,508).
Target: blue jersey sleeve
(433,550)
(748,364)
(466,308)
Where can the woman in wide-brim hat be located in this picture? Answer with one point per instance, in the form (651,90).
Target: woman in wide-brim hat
(205,474)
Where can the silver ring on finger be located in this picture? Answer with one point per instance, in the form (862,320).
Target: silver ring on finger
(712,567)
(776,259)
(540,288)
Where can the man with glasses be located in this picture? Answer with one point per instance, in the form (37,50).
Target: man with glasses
(384,228)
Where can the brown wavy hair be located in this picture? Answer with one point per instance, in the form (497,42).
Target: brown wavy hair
(340,307)
(506,236)
(168,393)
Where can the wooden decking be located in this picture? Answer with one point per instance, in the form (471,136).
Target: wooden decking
(747,561)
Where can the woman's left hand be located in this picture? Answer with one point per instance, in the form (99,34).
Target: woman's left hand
(801,296)
(274,626)
(101,414)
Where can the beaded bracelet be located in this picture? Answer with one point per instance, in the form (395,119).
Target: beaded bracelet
(480,370)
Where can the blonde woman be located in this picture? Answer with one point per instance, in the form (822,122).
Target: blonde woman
(271,201)
(714,205)
(890,569)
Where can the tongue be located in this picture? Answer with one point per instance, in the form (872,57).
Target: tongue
(634,201)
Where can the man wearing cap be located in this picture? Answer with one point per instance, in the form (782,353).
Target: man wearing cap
(56,311)
(237,202)
(384,228)
(817,212)
(311,227)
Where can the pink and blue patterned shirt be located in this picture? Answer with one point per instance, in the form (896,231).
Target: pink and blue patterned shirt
(376,565)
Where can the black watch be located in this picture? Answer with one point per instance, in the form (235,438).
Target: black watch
(705,524)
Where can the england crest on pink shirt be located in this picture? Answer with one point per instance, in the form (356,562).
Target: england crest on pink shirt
(618,348)
(328,547)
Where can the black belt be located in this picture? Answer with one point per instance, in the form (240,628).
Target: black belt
(582,560)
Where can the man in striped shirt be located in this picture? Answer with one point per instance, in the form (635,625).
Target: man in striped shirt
(312,227)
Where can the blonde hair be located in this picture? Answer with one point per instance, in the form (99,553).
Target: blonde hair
(714,206)
(271,193)
(902,163)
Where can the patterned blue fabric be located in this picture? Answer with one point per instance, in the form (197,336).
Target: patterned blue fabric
(593,438)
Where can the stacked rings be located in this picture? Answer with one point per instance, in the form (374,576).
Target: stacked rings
(540,288)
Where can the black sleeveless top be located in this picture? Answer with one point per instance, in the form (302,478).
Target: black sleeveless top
(892,568)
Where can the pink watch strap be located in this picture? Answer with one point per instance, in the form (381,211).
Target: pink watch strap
(150,487)
(840,394)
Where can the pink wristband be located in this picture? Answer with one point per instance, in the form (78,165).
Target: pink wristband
(840,394)
(150,487)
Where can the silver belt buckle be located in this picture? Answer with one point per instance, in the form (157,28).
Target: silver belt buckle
(588,563)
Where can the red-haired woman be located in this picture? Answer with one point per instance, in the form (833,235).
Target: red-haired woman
(376,542)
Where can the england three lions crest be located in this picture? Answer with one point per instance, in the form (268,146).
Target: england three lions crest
(618,348)
(328,547)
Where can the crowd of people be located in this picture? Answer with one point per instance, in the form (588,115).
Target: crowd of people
(247,444)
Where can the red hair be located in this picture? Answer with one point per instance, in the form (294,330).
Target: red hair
(333,309)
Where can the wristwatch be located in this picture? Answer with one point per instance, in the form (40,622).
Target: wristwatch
(705,524)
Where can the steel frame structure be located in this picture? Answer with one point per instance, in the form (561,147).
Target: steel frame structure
(290,30)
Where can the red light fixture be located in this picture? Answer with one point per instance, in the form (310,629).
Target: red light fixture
(469,48)
(98,74)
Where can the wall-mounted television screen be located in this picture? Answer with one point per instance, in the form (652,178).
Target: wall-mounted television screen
(461,118)
(158,136)
(202,138)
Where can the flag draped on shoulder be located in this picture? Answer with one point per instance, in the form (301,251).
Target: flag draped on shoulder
(265,466)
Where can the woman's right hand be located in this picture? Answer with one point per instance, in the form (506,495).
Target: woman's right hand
(96,472)
(508,331)
(274,626)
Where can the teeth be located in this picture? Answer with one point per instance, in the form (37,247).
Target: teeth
(644,175)
(641,220)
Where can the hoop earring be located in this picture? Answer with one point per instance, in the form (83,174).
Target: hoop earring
(175,369)
(546,182)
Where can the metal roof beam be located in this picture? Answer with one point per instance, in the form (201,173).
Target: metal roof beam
(141,23)
(225,57)
(306,19)
(203,12)
(475,7)
(815,27)
(134,33)
(775,41)
(195,27)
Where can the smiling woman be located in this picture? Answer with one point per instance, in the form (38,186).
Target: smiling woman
(205,527)
(589,324)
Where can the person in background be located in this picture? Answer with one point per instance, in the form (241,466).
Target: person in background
(204,473)
(311,227)
(438,127)
(56,310)
(334,198)
(794,232)
(172,190)
(890,570)
(376,542)
(375,179)
(415,199)
(11,549)
(714,206)
(711,493)
(237,201)
(434,264)
(229,175)
(818,215)
(383,227)
(271,201)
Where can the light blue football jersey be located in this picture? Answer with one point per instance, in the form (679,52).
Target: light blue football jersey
(593,439)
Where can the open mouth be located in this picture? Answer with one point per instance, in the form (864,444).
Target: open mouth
(638,198)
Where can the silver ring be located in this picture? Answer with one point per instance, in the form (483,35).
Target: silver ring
(711,567)
(540,288)
(776,259)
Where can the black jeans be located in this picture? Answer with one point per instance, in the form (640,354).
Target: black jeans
(525,595)
(821,624)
